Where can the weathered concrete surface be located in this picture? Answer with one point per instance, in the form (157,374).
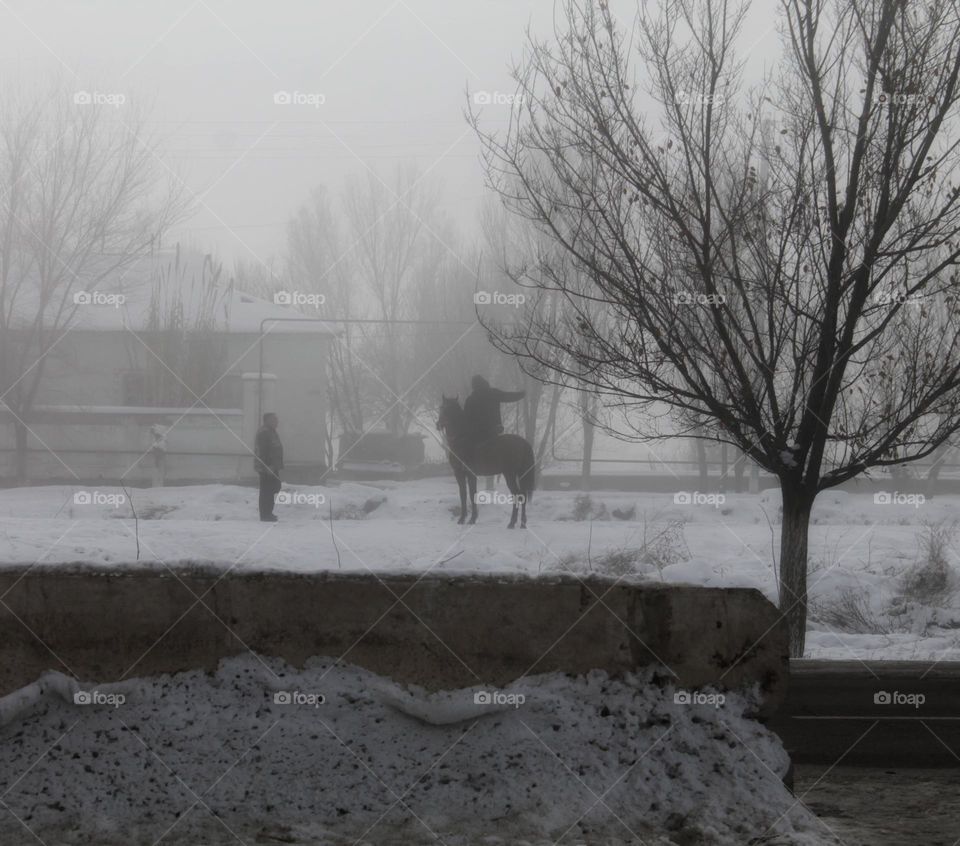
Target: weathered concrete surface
(435,630)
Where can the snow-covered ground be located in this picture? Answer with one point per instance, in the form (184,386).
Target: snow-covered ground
(883,578)
(261,753)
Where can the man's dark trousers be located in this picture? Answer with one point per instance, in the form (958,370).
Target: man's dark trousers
(269,487)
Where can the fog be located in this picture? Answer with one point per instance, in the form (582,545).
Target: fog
(393,77)
(508,421)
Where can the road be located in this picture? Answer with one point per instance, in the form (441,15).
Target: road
(882,807)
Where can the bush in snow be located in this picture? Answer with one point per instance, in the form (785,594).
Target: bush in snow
(849,611)
(930,580)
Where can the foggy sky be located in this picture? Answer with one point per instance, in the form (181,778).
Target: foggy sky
(392,75)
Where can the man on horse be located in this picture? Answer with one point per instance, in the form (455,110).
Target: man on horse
(482,411)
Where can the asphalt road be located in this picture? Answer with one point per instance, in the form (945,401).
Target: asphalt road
(883,807)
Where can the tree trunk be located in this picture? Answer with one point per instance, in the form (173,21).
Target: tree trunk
(793,565)
(724,468)
(933,475)
(549,425)
(702,463)
(739,468)
(20,433)
(531,407)
(585,465)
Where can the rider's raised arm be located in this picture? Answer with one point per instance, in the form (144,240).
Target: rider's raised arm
(507,396)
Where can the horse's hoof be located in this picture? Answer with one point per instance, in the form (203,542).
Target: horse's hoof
(461,521)
(511,525)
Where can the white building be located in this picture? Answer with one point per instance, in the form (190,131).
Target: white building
(104,397)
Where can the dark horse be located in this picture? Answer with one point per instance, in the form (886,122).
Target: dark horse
(509,455)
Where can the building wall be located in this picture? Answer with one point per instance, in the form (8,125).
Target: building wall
(80,416)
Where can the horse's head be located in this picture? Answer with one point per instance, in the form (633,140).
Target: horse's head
(450,412)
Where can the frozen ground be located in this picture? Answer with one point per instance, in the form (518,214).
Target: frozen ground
(331,755)
(882,583)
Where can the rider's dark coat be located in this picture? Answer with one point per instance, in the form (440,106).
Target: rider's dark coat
(482,412)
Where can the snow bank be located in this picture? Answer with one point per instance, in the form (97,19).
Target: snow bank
(334,754)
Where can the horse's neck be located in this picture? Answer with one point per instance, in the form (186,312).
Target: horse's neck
(456,428)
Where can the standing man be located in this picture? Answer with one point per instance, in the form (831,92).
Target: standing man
(268,460)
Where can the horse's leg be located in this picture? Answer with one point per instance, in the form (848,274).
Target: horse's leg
(462,485)
(514,489)
(473,497)
(523,511)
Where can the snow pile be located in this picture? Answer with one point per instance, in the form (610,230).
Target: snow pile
(334,754)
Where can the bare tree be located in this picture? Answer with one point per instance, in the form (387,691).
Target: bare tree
(182,349)
(394,228)
(756,255)
(319,262)
(381,256)
(81,199)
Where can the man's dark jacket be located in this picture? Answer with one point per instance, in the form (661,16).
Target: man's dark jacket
(482,410)
(268,451)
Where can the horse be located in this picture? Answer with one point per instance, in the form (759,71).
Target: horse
(508,455)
